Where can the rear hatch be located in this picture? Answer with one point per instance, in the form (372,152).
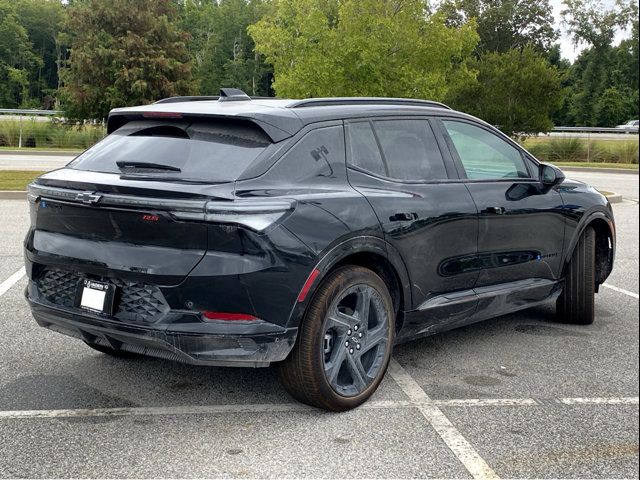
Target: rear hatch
(132,205)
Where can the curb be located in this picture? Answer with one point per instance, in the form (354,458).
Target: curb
(613,197)
(600,170)
(13,194)
(44,153)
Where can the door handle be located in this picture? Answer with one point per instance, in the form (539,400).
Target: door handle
(495,210)
(403,217)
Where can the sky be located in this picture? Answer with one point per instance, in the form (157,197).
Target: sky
(568,49)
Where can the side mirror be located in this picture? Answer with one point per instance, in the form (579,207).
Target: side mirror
(550,175)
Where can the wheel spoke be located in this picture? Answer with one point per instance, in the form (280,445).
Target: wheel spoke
(358,374)
(375,337)
(332,368)
(340,321)
(363,304)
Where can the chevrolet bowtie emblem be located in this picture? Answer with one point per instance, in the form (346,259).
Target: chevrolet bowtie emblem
(88,198)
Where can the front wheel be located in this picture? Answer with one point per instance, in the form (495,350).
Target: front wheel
(576,303)
(344,342)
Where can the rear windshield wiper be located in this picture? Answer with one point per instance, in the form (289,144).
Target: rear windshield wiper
(122,164)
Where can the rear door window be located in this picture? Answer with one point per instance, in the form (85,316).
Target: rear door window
(199,151)
(363,149)
(410,150)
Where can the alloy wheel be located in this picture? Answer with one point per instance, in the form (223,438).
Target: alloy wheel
(355,341)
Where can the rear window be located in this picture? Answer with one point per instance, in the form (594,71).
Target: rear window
(196,151)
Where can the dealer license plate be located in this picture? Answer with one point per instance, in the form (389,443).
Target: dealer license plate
(96,296)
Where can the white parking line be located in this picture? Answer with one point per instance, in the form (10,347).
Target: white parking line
(487,402)
(621,290)
(137,411)
(600,401)
(459,445)
(298,407)
(11,281)
(190,410)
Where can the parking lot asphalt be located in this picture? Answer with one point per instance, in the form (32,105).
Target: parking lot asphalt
(519,396)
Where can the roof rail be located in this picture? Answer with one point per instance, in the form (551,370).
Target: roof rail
(193,98)
(186,99)
(324,102)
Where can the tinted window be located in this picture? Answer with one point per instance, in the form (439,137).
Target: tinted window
(204,151)
(410,150)
(363,149)
(485,155)
(319,154)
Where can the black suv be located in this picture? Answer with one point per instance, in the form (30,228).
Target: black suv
(312,234)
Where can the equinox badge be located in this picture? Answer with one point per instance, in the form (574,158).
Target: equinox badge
(88,198)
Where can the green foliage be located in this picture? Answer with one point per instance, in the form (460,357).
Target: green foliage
(42,20)
(362,47)
(613,106)
(603,82)
(16,58)
(122,52)
(516,88)
(126,52)
(592,22)
(506,24)
(222,51)
(517,91)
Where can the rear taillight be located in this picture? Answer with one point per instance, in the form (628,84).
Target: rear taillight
(255,214)
(229,317)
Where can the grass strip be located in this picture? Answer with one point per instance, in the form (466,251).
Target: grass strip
(17,179)
(619,166)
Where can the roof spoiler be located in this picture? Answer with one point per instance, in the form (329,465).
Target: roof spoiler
(119,119)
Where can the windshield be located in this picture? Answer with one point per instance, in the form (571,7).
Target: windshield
(196,151)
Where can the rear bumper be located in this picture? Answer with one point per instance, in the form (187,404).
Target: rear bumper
(187,339)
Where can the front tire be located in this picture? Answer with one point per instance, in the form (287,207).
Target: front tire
(576,303)
(344,342)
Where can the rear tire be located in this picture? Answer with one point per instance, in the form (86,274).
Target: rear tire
(344,342)
(576,303)
(111,351)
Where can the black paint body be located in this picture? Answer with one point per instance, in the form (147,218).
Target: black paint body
(453,257)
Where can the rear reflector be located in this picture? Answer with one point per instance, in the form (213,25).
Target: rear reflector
(307,285)
(229,317)
(162,115)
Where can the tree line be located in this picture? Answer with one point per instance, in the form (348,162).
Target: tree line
(497,59)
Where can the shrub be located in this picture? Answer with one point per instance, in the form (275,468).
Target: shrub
(566,150)
(540,150)
(562,149)
(49,134)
